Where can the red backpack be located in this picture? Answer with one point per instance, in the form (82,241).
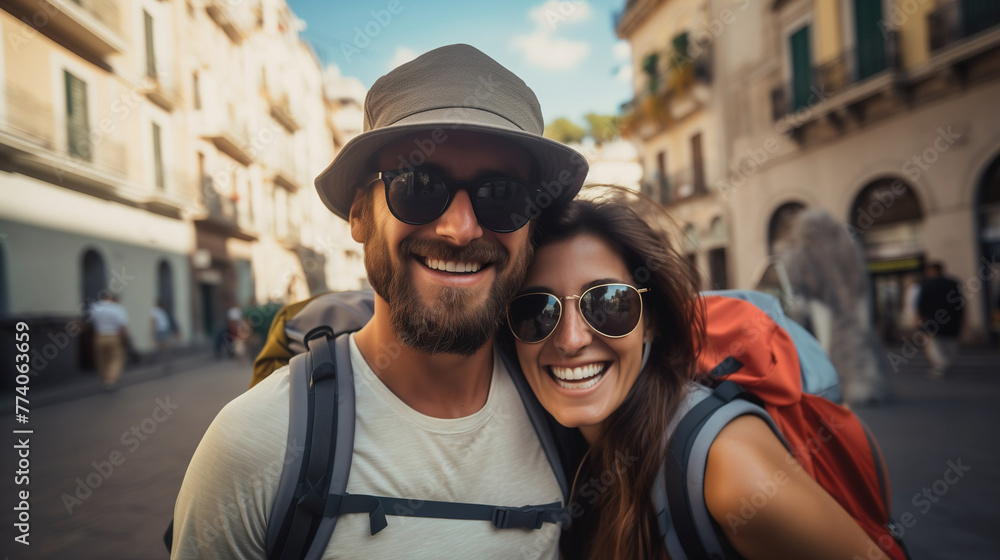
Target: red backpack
(758,361)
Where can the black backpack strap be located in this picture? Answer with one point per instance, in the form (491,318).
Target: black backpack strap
(688,529)
(322,378)
(377,507)
(563,447)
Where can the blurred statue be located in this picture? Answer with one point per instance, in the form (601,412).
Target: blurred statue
(833,299)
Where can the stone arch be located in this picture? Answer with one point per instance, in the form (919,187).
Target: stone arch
(987,219)
(780,222)
(887,218)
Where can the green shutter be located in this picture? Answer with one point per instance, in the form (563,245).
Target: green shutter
(978,15)
(158,157)
(150,51)
(801,68)
(77,125)
(871,44)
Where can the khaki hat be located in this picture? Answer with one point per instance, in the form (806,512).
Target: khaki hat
(456,87)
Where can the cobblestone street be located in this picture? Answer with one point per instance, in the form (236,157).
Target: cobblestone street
(944,472)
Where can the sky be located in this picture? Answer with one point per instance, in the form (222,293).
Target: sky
(565,50)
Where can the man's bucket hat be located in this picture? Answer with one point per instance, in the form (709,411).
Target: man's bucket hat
(456,87)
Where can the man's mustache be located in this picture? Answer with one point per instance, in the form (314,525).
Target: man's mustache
(478,251)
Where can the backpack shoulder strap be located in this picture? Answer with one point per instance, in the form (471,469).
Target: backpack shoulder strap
(688,529)
(321,386)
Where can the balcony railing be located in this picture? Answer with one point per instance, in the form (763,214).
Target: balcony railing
(231,136)
(957,20)
(93,25)
(850,67)
(27,118)
(221,209)
(680,185)
(232,17)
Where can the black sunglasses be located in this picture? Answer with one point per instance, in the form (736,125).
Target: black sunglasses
(501,204)
(613,310)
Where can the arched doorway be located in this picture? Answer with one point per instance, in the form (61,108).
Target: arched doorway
(4,297)
(94,279)
(718,265)
(988,233)
(781,222)
(165,287)
(887,218)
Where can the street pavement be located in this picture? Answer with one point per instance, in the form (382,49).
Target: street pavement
(106,467)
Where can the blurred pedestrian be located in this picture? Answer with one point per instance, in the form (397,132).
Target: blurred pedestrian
(110,320)
(228,338)
(941,306)
(164,332)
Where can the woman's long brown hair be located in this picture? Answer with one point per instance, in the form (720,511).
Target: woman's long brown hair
(613,488)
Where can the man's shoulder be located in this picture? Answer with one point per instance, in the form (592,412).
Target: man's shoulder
(259,416)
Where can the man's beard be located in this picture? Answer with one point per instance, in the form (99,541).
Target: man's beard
(450,324)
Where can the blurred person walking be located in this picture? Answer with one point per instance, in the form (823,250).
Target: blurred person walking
(164,331)
(110,321)
(941,306)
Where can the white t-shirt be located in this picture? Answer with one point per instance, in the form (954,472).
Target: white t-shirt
(161,319)
(108,317)
(490,457)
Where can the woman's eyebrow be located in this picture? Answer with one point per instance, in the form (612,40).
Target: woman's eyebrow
(600,281)
(584,288)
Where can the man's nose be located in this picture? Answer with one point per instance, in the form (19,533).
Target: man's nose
(573,333)
(459,222)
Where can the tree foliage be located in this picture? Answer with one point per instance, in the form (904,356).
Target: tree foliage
(602,128)
(565,131)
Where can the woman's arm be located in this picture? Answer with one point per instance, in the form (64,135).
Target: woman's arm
(769,507)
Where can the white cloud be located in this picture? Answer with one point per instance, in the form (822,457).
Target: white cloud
(402,56)
(622,50)
(552,53)
(543,47)
(339,86)
(556,12)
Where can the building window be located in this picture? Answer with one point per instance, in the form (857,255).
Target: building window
(165,287)
(158,158)
(801,68)
(150,51)
(717,269)
(666,194)
(196,86)
(94,276)
(77,124)
(697,164)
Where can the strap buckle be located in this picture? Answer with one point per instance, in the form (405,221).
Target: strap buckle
(526,517)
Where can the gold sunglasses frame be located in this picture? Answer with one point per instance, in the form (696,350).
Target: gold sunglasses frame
(560,299)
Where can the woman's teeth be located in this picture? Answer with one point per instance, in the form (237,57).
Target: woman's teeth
(452,266)
(569,378)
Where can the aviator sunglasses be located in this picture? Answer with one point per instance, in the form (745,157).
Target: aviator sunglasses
(613,310)
(501,204)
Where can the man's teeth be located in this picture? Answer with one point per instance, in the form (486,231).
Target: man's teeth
(582,372)
(452,266)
